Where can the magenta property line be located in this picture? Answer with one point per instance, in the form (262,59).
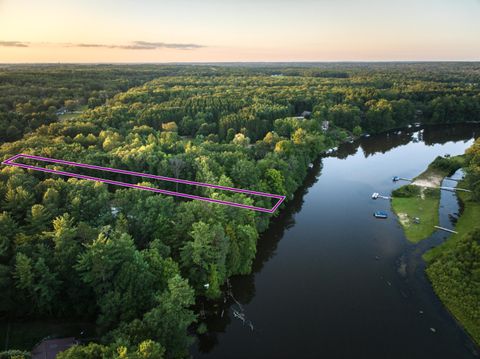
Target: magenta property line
(10,162)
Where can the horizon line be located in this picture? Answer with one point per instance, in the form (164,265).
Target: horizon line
(238,62)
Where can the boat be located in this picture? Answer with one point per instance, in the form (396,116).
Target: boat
(375,195)
(380,214)
(395,178)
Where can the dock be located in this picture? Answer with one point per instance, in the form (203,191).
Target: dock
(396,178)
(453,179)
(453,189)
(446,229)
(376,195)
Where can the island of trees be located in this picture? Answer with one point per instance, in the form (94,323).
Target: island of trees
(135,262)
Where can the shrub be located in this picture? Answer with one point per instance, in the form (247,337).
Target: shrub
(406,191)
(14,354)
(449,165)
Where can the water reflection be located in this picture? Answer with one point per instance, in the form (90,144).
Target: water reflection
(430,135)
(241,289)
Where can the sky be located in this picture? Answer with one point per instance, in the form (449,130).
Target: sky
(35,31)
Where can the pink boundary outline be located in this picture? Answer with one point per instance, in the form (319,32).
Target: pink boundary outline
(10,162)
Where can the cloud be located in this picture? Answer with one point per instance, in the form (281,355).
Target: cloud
(13,44)
(135,45)
(145,45)
(142,45)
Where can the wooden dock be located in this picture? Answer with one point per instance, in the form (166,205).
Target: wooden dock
(376,195)
(453,189)
(446,229)
(396,178)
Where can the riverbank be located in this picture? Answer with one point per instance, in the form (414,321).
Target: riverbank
(416,205)
(453,267)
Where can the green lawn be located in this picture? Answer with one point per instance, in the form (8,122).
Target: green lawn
(424,208)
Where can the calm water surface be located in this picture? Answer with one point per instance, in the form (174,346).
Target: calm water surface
(330,280)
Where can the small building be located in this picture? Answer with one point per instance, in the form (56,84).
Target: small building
(49,348)
(61,111)
(306,114)
(325,125)
(114,210)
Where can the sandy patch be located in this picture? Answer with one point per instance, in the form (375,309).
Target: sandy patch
(403,218)
(432,181)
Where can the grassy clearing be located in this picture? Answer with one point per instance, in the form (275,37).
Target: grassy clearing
(72,115)
(420,206)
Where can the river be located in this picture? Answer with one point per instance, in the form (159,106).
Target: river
(330,280)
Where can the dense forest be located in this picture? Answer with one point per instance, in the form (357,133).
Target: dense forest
(136,262)
(38,95)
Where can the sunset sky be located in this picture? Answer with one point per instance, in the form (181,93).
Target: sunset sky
(234,30)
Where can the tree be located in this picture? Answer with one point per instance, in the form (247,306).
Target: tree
(209,247)
(241,140)
(24,272)
(345,116)
(17,201)
(357,131)
(299,136)
(379,116)
(46,287)
(245,173)
(230,135)
(37,281)
(177,165)
(247,241)
(7,300)
(38,218)
(275,181)
(169,320)
(403,112)
(170,127)
(119,276)
(8,230)
(70,104)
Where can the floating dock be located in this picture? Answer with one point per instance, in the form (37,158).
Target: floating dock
(376,195)
(446,229)
(380,214)
(453,189)
(396,178)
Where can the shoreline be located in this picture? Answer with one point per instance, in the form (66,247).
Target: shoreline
(430,179)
